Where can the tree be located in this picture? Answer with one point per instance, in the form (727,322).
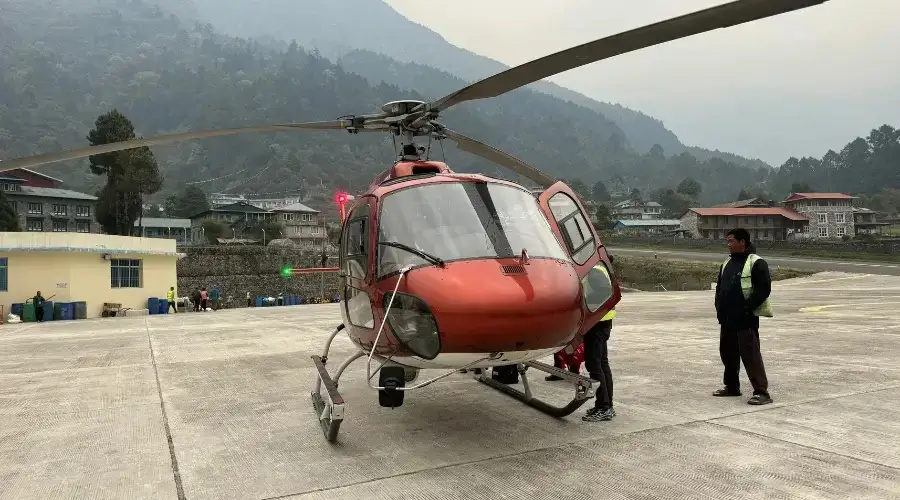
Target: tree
(599,192)
(800,187)
(674,204)
(604,216)
(635,196)
(187,203)
(212,230)
(130,174)
(9,219)
(580,188)
(744,195)
(689,187)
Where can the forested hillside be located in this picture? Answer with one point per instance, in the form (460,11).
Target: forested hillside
(62,67)
(337,27)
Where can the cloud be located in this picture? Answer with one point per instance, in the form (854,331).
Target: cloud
(797,84)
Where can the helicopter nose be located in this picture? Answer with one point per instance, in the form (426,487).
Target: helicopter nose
(491,305)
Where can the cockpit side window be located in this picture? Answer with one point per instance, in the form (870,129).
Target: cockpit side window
(355,243)
(573,226)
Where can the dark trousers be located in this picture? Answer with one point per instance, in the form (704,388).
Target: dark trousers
(742,345)
(203,304)
(39,313)
(596,361)
(173,306)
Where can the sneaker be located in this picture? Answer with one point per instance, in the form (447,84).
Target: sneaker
(726,392)
(552,378)
(598,415)
(760,399)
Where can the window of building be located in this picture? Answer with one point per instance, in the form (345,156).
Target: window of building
(314,230)
(82,227)
(60,209)
(823,217)
(4,274)
(125,273)
(839,218)
(82,211)
(841,230)
(35,208)
(287,217)
(823,232)
(306,217)
(60,226)
(34,225)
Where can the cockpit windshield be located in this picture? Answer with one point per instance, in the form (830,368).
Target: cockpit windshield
(461,220)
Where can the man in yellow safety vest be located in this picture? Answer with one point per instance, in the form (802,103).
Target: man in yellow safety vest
(742,296)
(170,297)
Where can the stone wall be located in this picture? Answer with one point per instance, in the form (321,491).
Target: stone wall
(240,269)
(881,248)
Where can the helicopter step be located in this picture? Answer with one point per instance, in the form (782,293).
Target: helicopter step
(330,411)
(582,388)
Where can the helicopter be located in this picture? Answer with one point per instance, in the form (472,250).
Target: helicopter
(457,271)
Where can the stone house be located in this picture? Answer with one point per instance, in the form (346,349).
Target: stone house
(235,217)
(763,223)
(43,206)
(164,227)
(830,214)
(301,223)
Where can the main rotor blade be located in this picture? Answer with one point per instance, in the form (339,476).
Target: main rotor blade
(722,16)
(493,154)
(31,161)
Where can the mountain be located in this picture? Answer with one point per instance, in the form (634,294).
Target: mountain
(337,27)
(65,62)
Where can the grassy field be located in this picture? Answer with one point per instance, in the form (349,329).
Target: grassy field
(812,253)
(648,274)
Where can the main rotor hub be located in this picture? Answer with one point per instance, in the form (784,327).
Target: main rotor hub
(401,107)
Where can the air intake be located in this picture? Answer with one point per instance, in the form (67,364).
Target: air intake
(513,269)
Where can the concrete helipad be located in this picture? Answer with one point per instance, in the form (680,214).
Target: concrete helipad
(86,407)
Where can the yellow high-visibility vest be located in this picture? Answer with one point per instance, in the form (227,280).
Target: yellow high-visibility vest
(170,295)
(765,309)
(604,295)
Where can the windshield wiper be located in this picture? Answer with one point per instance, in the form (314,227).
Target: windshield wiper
(430,258)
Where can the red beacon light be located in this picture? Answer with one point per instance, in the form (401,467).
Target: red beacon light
(342,199)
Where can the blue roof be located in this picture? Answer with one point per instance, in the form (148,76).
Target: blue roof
(648,222)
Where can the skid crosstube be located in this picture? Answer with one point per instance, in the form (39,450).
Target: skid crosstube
(329,410)
(582,388)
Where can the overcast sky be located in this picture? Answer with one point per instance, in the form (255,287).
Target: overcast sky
(796,84)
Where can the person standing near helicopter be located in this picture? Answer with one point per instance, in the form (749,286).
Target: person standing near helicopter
(596,351)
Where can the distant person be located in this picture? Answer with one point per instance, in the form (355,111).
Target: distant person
(204,299)
(195,298)
(214,298)
(170,297)
(38,300)
(742,296)
(249,300)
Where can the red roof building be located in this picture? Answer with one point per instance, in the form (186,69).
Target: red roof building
(763,223)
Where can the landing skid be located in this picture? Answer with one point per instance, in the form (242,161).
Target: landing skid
(582,388)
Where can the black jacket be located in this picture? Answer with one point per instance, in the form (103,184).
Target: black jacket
(732,309)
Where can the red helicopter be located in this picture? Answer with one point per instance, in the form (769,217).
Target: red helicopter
(444,270)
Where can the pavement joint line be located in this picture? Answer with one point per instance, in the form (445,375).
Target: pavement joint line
(806,446)
(581,444)
(179,486)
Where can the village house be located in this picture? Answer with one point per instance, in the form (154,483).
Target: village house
(301,223)
(636,210)
(44,206)
(649,226)
(763,223)
(830,214)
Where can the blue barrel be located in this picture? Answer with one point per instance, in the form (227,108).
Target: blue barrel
(259,301)
(80,310)
(293,300)
(17,308)
(163,306)
(63,311)
(153,305)
(49,311)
